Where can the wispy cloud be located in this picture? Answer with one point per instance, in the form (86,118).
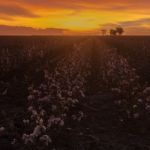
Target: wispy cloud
(19,30)
(15,10)
(135,23)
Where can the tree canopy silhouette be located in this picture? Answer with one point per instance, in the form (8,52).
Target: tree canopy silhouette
(120,30)
(113,32)
(117,31)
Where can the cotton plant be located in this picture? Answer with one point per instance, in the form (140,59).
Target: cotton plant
(120,78)
(51,103)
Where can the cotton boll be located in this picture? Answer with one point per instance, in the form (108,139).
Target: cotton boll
(31,97)
(61,123)
(147,107)
(146,90)
(36,131)
(26,121)
(2,129)
(34,113)
(46,139)
(30,109)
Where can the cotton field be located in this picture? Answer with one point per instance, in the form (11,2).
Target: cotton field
(78,93)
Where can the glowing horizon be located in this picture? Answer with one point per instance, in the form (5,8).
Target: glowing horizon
(77,15)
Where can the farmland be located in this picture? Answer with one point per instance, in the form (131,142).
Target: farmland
(78,93)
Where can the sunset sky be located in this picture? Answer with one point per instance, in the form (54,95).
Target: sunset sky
(73,16)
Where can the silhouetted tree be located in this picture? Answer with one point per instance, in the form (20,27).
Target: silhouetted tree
(113,32)
(120,30)
(104,32)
